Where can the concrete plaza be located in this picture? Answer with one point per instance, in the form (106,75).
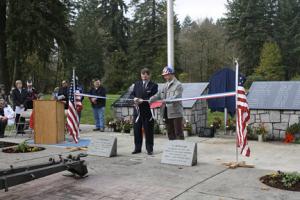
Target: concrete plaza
(132,177)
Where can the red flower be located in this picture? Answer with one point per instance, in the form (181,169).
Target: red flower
(289,138)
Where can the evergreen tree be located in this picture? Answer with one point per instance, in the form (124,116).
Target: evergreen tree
(113,20)
(288,35)
(148,43)
(270,67)
(90,43)
(35,28)
(3,51)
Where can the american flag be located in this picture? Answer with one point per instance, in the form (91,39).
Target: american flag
(243,117)
(72,116)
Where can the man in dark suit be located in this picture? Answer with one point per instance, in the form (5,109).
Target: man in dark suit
(143,90)
(19,98)
(63,93)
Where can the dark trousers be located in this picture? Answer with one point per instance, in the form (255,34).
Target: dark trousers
(19,119)
(175,129)
(148,125)
(2,128)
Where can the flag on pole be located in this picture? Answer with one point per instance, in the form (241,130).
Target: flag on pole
(72,116)
(243,117)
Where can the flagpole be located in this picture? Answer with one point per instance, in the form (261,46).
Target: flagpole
(74,93)
(236,106)
(170,14)
(74,86)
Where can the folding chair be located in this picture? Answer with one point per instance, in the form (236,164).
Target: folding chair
(26,115)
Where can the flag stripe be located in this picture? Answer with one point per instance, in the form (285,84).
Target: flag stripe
(72,115)
(243,117)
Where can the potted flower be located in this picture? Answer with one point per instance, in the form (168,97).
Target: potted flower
(187,128)
(157,128)
(231,126)
(216,124)
(110,123)
(291,133)
(127,125)
(261,131)
(117,127)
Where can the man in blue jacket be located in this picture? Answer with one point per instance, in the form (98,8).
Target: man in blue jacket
(143,90)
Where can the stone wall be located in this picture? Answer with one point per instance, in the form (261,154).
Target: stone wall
(275,121)
(197,115)
(121,112)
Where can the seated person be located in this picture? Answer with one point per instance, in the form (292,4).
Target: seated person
(3,119)
(10,114)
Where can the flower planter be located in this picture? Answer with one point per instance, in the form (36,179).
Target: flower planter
(260,138)
(27,150)
(127,131)
(185,133)
(297,135)
(207,132)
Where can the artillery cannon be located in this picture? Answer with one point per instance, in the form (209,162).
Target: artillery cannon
(15,176)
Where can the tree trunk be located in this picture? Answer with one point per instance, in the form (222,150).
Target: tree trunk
(3,51)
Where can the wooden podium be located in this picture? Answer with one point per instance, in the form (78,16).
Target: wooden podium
(49,122)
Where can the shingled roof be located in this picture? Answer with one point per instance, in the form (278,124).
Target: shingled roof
(189,90)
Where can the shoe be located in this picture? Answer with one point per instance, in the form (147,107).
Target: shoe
(101,129)
(80,129)
(150,153)
(96,129)
(136,152)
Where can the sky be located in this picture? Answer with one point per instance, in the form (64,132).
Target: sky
(199,9)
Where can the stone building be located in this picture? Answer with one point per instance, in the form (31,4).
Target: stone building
(276,105)
(195,111)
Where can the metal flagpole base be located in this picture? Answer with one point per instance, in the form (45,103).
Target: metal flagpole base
(234,165)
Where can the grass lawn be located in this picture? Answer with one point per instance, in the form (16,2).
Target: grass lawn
(212,115)
(87,112)
(88,118)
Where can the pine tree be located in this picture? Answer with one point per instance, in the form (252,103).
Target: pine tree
(35,28)
(148,43)
(288,35)
(113,20)
(90,43)
(3,51)
(270,67)
(250,24)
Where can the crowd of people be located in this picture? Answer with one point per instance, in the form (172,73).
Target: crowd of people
(11,106)
(144,93)
(98,104)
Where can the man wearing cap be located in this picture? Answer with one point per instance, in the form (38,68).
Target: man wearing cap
(172,112)
(143,90)
(31,94)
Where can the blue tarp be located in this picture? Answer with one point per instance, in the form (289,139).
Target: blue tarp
(81,143)
(222,81)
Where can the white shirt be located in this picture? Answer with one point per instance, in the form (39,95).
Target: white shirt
(10,114)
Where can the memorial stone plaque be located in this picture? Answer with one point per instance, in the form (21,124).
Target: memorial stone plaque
(104,146)
(180,152)
(274,95)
